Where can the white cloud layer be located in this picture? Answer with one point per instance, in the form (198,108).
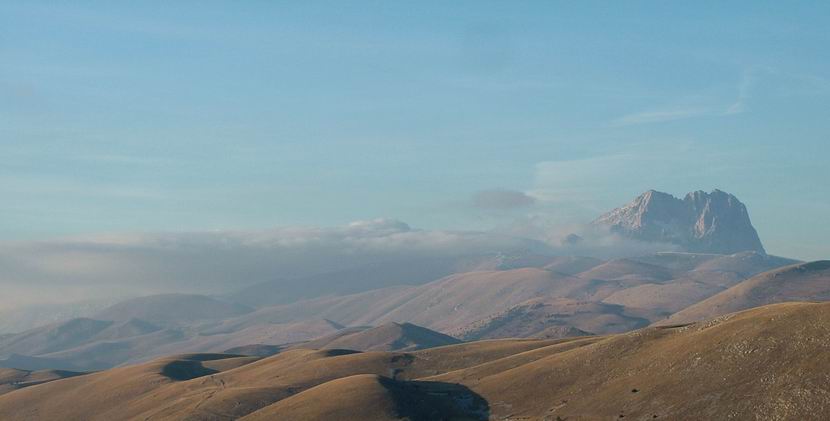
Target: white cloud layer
(111,266)
(215,262)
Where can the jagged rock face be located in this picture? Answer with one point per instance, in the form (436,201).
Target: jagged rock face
(715,222)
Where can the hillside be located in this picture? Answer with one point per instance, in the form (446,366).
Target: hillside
(201,386)
(666,298)
(799,282)
(388,337)
(627,269)
(373,397)
(12,379)
(571,265)
(28,363)
(87,344)
(552,319)
(651,288)
(387,273)
(765,363)
(556,297)
(54,337)
(745,264)
(172,309)
(459,300)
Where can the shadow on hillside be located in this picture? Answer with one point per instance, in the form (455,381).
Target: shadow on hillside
(181,370)
(427,400)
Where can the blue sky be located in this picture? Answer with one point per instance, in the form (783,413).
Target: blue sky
(152,116)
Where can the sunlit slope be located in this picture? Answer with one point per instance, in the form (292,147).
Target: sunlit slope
(764,363)
(799,282)
(195,387)
(388,337)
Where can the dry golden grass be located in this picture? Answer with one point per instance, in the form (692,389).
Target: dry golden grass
(388,337)
(12,379)
(765,363)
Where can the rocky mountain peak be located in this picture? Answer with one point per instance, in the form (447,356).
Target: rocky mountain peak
(715,222)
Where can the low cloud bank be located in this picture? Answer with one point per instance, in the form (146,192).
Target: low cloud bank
(216,262)
(102,267)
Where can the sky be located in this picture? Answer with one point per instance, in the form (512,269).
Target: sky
(203,116)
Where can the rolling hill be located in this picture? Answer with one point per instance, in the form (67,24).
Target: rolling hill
(88,344)
(173,309)
(764,363)
(388,337)
(12,379)
(555,297)
(553,318)
(388,273)
(799,282)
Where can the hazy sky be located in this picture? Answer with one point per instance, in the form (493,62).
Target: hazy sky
(171,116)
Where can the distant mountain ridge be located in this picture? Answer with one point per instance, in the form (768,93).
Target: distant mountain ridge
(701,222)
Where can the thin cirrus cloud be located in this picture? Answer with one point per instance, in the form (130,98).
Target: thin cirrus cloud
(502,199)
(747,83)
(658,116)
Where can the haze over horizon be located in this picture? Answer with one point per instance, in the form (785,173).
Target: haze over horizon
(376,210)
(196,117)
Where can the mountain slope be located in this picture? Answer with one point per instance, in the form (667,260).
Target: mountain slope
(369,397)
(458,300)
(764,363)
(203,387)
(25,362)
(571,265)
(651,289)
(388,337)
(745,264)
(803,281)
(54,337)
(389,273)
(12,379)
(172,309)
(614,296)
(552,318)
(624,269)
(87,344)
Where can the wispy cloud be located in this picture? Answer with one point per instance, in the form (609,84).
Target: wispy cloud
(747,83)
(745,86)
(658,116)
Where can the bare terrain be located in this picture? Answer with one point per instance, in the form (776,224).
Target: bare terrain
(799,282)
(764,363)
(552,298)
